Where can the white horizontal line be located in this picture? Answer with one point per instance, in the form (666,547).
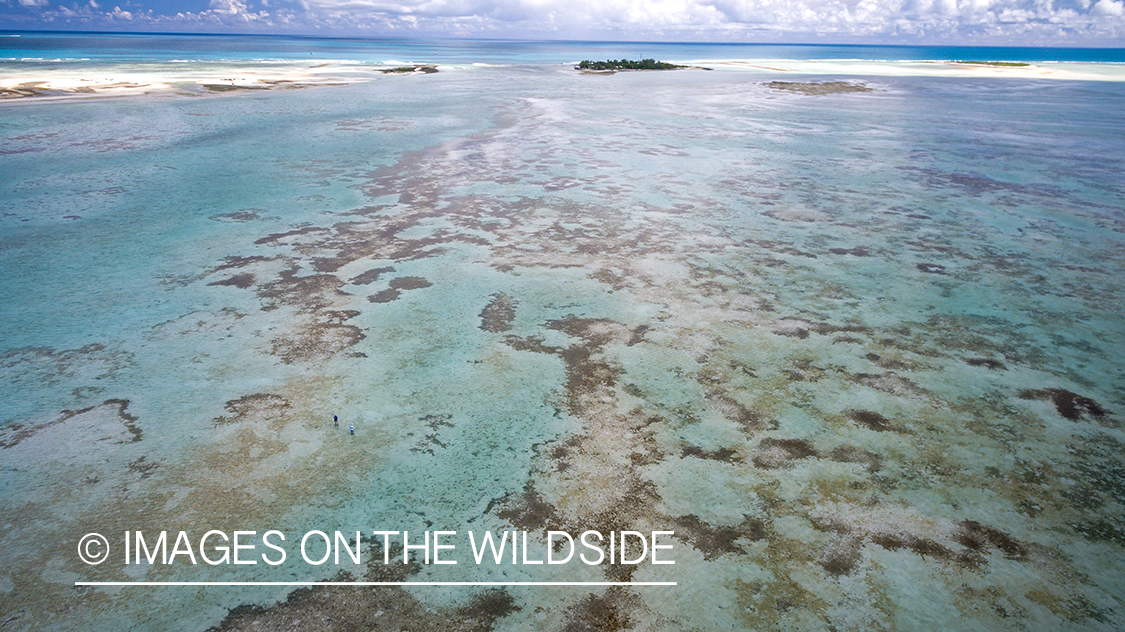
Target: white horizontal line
(311,583)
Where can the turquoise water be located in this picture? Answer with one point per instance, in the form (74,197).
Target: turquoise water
(152,47)
(859,351)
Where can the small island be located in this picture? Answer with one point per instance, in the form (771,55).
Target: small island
(625,64)
(423,68)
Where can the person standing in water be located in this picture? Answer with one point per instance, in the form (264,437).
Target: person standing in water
(351,428)
(335,420)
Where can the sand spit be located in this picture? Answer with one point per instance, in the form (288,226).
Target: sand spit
(188,80)
(1072,71)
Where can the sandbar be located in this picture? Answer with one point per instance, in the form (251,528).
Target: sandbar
(22,81)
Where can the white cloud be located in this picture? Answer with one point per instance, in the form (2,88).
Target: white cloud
(233,9)
(228,7)
(1110,7)
(733,19)
(1021,22)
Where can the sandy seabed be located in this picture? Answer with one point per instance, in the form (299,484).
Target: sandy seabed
(853,338)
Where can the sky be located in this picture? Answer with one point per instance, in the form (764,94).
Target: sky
(950,22)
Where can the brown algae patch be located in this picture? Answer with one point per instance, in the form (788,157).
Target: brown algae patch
(975,537)
(432,439)
(335,608)
(889,382)
(1070,405)
(142,467)
(819,88)
(964,544)
(234,262)
(370,276)
(797,328)
(749,421)
(497,316)
(316,340)
(241,281)
(616,610)
(310,292)
(384,296)
(588,480)
(716,541)
(725,455)
(529,511)
(397,286)
(409,283)
(240,217)
(773,453)
(851,454)
(318,329)
(873,421)
(858,251)
(117,409)
(988,363)
(91,364)
(254,407)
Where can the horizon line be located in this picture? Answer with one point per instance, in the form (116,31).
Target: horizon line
(532,40)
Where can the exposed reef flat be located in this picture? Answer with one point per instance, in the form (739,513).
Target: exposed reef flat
(816,88)
(64,82)
(1063,71)
(998,64)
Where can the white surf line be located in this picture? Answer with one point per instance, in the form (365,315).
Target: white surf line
(315,583)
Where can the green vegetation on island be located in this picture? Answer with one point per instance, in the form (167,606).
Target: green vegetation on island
(626,64)
(1015,64)
(426,68)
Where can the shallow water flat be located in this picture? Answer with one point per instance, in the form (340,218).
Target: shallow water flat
(858,349)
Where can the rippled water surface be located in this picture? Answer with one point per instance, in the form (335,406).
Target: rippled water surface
(860,351)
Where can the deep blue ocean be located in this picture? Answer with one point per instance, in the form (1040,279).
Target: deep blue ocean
(125,47)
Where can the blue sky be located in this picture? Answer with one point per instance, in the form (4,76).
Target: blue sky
(992,22)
